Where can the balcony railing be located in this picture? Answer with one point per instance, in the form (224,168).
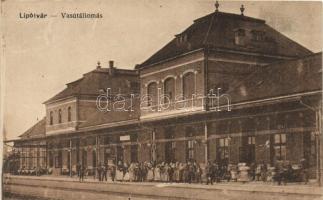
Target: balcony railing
(215,103)
(173,107)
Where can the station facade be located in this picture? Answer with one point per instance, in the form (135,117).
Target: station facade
(229,88)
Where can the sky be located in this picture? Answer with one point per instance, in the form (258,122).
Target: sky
(39,56)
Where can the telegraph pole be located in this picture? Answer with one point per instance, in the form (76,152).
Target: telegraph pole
(206,142)
(319,146)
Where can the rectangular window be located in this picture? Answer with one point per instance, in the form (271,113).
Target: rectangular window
(173,145)
(50,158)
(258,35)
(224,142)
(251,140)
(190,149)
(58,160)
(189,132)
(280,146)
(223,149)
(221,141)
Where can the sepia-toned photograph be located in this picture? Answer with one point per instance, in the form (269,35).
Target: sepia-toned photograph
(161,100)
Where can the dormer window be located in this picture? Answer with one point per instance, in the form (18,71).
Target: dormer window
(258,35)
(181,38)
(239,36)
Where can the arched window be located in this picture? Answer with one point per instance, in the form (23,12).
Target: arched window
(51,118)
(169,90)
(69,114)
(152,94)
(188,85)
(59,116)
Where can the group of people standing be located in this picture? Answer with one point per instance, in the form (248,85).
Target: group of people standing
(104,170)
(192,172)
(189,172)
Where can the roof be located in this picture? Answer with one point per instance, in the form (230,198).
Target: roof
(278,79)
(217,30)
(91,83)
(37,130)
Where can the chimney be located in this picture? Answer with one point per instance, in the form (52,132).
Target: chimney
(111,62)
(99,65)
(111,67)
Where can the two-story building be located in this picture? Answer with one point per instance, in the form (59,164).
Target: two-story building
(216,92)
(229,88)
(73,114)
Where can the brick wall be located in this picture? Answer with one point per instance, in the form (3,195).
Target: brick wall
(65,124)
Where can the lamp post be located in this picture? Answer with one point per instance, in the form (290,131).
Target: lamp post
(229,148)
(206,142)
(70,152)
(153,146)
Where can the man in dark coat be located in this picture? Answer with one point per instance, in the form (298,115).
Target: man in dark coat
(105,171)
(78,168)
(208,172)
(113,172)
(82,171)
(304,169)
(191,171)
(99,171)
(279,169)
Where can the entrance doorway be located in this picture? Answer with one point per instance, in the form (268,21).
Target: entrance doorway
(84,158)
(247,152)
(169,145)
(119,156)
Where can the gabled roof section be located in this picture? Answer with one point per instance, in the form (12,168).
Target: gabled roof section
(279,79)
(91,83)
(37,130)
(217,30)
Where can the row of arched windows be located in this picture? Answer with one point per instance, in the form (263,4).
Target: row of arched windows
(188,88)
(59,116)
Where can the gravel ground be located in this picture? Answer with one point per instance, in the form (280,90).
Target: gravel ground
(9,196)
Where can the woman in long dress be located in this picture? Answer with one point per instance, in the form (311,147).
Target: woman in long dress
(150,175)
(162,172)
(126,176)
(157,173)
(181,172)
(166,172)
(131,172)
(177,173)
(185,173)
(119,174)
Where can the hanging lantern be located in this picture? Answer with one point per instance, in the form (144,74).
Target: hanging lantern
(204,141)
